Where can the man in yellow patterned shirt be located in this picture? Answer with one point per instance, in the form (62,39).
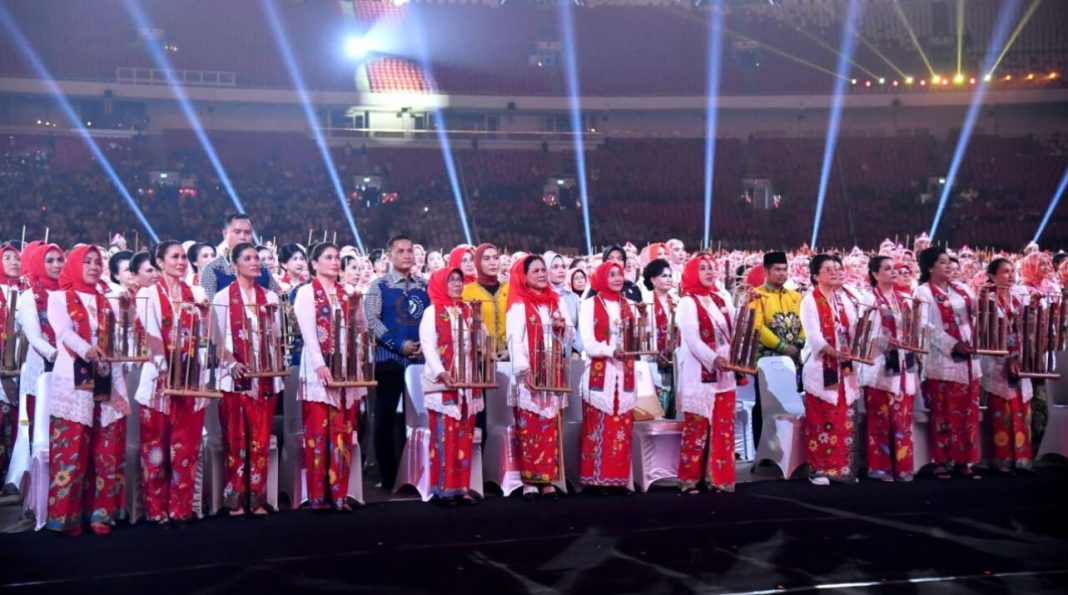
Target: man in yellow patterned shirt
(778,318)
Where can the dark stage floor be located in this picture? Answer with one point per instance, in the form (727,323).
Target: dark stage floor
(990,536)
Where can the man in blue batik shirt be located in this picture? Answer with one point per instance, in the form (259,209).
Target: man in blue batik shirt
(394,306)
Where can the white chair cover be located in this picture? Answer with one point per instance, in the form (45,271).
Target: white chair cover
(19,466)
(655,452)
(212,463)
(135,502)
(37,492)
(781,440)
(501,459)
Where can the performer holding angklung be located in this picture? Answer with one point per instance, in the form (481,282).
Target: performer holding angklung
(1009,396)
(537,333)
(10,345)
(43,264)
(890,383)
(246,316)
(951,370)
(828,317)
(446,336)
(328,319)
(706,386)
(88,435)
(608,383)
(172,313)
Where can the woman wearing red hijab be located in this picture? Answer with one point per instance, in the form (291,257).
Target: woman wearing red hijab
(452,411)
(608,383)
(706,387)
(9,403)
(88,402)
(42,264)
(535,316)
(463,257)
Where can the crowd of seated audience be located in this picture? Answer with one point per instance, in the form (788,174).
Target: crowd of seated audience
(639,190)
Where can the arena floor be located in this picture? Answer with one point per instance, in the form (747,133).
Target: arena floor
(987,536)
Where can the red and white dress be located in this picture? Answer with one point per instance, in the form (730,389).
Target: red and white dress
(248,403)
(706,396)
(329,414)
(170,427)
(88,438)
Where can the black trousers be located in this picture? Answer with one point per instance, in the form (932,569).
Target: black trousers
(387,424)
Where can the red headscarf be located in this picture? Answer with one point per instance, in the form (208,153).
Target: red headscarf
(755,277)
(691,276)
(599,280)
(438,287)
(72,276)
(12,281)
(33,260)
(519,292)
(1031,270)
(456,259)
(482,278)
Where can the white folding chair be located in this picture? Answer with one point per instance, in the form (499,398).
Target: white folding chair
(135,501)
(572,428)
(19,466)
(781,436)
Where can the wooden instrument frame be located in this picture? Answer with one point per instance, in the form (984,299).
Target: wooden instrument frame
(191,383)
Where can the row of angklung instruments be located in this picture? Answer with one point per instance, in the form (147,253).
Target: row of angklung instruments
(192,367)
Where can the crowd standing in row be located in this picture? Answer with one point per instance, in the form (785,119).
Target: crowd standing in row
(415,302)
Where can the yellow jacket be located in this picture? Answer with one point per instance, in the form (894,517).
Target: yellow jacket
(493,310)
(778,316)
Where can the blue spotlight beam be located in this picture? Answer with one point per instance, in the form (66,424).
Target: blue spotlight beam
(715,54)
(282,40)
(997,40)
(571,81)
(163,63)
(844,57)
(1052,206)
(72,116)
(441,130)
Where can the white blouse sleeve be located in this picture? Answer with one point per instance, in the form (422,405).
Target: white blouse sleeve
(304,309)
(516,327)
(810,322)
(689,328)
(59,318)
(26,312)
(428,338)
(931,321)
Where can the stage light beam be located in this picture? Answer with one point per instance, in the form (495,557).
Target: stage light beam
(357,47)
(848,45)
(1015,33)
(571,82)
(68,112)
(960,35)
(1052,206)
(282,41)
(997,38)
(715,57)
(912,35)
(163,63)
(441,129)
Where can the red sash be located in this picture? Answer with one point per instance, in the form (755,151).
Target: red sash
(1010,307)
(40,299)
(602,333)
(443,325)
(889,321)
(535,339)
(945,309)
(828,314)
(324,323)
(662,317)
(79,320)
(242,342)
(707,330)
(166,316)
